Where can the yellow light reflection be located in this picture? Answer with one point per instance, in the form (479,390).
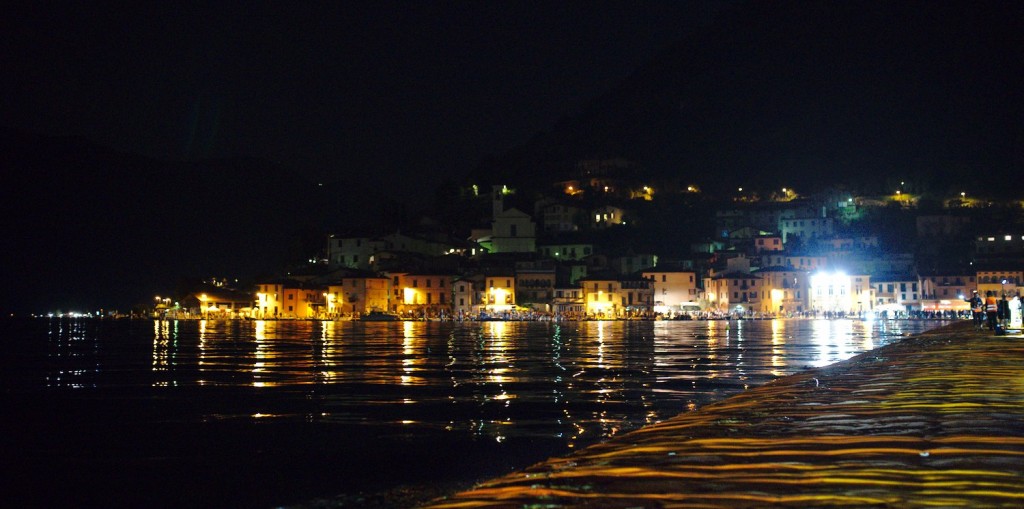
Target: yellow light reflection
(778,347)
(410,361)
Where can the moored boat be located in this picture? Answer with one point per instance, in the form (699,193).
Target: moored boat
(379,316)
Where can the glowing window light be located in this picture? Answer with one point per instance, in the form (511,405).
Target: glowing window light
(409,295)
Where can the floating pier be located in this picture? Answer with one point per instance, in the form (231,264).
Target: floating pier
(934,420)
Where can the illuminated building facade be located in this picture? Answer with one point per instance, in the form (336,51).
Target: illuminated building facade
(837,292)
(288,298)
(947,292)
(218,304)
(498,293)
(1000,279)
(617,297)
(568,301)
(784,290)
(950,286)
(671,288)
(421,294)
(607,216)
(354,295)
(464,296)
(734,291)
(899,292)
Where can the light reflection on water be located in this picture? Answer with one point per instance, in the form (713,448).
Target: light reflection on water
(509,377)
(567,384)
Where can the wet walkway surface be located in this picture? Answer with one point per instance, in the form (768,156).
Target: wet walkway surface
(936,420)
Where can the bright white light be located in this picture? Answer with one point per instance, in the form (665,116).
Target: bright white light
(823,279)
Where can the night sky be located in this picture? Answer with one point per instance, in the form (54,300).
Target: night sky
(379,98)
(354,90)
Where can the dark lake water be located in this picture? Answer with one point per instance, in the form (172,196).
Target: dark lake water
(136,413)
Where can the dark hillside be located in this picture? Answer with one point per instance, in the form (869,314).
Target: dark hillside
(812,93)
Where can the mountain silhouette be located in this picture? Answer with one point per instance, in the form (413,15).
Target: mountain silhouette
(89,226)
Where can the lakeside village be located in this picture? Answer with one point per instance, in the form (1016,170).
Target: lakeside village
(781,256)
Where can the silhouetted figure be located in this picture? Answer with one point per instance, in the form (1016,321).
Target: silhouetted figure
(991,309)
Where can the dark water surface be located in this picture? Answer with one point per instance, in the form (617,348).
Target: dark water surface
(135,413)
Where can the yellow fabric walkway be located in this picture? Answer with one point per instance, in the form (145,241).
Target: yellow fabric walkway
(936,420)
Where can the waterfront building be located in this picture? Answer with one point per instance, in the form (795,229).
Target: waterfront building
(672,287)
(784,290)
(838,292)
(421,294)
(498,293)
(288,298)
(465,296)
(899,292)
(218,303)
(356,293)
(614,296)
(568,301)
(535,284)
(734,291)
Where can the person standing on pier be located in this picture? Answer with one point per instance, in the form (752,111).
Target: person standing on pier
(991,309)
(977,309)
